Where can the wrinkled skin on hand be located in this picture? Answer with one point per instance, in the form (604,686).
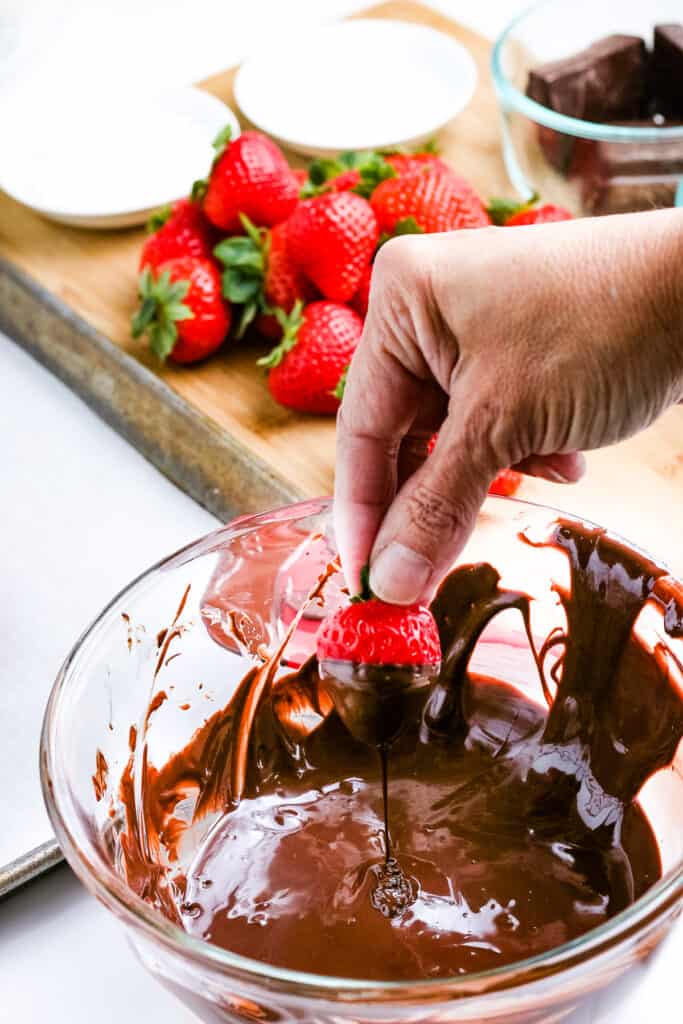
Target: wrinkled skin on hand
(521,347)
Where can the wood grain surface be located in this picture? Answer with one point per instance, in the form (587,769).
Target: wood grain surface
(68,295)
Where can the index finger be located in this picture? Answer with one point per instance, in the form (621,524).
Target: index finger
(380,402)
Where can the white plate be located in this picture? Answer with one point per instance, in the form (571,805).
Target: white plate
(95,161)
(358,84)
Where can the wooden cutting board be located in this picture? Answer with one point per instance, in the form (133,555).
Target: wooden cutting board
(68,294)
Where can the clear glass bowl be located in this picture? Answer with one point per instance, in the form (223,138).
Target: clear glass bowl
(587,166)
(259,568)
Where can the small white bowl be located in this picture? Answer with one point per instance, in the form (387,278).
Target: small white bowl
(359,84)
(107,162)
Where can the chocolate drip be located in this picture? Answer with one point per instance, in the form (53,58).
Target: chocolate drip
(467,600)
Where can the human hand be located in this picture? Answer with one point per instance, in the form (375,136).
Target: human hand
(521,347)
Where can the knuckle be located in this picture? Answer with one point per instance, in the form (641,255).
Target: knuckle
(397,261)
(432,512)
(485,432)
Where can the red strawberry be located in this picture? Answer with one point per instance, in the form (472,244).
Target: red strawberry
(371,632)
(332,238)
(344,182)
(178,230)
(404,163)
(360,300)
(371,655)
(250,176)
(546,214)
(260,276)
(300,175)
(182,310)
(506,483)
(510,213)
(351,172)
(317,346)
(428,199)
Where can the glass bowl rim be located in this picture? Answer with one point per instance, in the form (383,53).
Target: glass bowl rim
(101,880)
(511,97)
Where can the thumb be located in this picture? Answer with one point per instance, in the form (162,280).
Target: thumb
(432,516)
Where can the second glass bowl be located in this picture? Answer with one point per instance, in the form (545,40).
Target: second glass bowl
(589,167)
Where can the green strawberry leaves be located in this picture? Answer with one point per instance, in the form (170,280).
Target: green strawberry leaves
(319,173)
(245,258)
(341,383)
(158,219)
(405,226)
(198,190)
(161,308)
(220,144)
(372,167)
(500,210)
(365,593)
(373,172)
(222,140)
(290,324)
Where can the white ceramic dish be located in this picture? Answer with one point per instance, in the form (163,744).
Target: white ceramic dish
(108,162)
(357,84)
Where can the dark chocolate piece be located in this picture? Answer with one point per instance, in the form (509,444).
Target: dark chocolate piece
(667,70)
(618,177)
(605,82)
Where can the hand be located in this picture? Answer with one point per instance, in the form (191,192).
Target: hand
(521,346)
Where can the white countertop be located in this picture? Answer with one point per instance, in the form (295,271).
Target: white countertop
(83,513)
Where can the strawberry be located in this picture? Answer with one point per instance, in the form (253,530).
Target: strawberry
(506,483)
(360,300)
(350,172)
(300,176)
(347,181)
(261,276)
(178,230)
(546,214)
(250,176)
(371,632)
(405,163)
(332,238)
(182,310)
(509,213)
(429,199)
(316,347)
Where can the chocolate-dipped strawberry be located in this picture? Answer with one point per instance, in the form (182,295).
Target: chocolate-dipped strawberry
(377,661)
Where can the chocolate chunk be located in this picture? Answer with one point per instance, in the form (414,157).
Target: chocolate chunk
(605,82)
(621,176)
(667,70)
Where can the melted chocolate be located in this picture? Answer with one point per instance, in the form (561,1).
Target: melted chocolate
(510,827)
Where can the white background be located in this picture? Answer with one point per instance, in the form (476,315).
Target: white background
(83,512)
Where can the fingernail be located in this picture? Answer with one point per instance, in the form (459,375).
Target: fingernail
(399,575)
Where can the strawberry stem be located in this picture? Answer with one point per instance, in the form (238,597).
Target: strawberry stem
(198,190)
(161,308)
(245,258)
(338,392)
(365,593)
(500,210)
(158,219)
(222,140)
(290,325)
